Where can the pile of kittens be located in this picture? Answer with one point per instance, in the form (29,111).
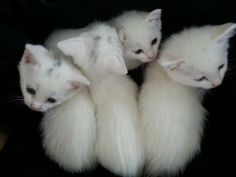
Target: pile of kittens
(94,112)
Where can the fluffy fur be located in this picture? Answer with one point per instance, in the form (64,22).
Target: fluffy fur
(46,79)
(172,117)
(198,56)
(99,54)
(69,133)
(138,31)
(171,113)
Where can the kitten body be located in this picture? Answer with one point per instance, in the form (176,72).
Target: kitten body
(69,133)
(171,112)
(172,118)
(99,54)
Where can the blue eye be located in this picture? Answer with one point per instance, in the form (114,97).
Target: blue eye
(201,78)
(138,51)
(221,66)
(51,100)
(154,41)
(30,90)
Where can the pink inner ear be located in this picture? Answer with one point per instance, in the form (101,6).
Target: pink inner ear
(28,58)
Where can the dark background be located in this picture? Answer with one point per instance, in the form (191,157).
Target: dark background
(31,21)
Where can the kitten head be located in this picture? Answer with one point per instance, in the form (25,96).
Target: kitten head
(47,81)
(198,56)
(141,34)
(98,51)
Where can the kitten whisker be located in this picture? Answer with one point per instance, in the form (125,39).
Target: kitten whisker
(16,99)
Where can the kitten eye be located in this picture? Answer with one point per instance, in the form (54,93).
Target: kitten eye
(154,41)
(51,100)
(221,66)
(30,90)
(138,51)
(201,79)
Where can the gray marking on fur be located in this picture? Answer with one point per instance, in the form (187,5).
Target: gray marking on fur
(57,62)
(94,52)
(49,72)
(97,38)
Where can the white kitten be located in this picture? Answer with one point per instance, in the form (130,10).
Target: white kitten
(38,68)
(68,128)
(171,113)
(99,54)
(69,133)
(140,33)
(198,56)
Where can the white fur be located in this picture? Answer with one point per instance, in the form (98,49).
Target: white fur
(39,70)
(197,52)
(118,146)
(69,133)
(137,29)
(172,118)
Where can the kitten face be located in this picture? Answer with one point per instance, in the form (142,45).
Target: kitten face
(142,38)
(45,81)
(99,50)
(198,56)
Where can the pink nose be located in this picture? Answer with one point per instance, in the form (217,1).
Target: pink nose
(34,108)
(150,54)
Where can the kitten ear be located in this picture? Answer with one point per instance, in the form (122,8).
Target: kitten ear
(154,16)
(115,64)
(122,35)
(118,66)
(79,82)
(225,31)
(32,54)
(74,47)
(171,65)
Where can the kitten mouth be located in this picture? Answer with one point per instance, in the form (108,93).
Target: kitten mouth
(36,110)
(147,60)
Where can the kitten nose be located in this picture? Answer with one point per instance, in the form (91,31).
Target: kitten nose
(150,54)
(35,107)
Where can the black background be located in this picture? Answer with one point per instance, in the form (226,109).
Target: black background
(31,21)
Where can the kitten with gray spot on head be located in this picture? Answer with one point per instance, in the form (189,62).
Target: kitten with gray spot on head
(51,83)
(170,105)
(98,53)
(140,33)
(47,81)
